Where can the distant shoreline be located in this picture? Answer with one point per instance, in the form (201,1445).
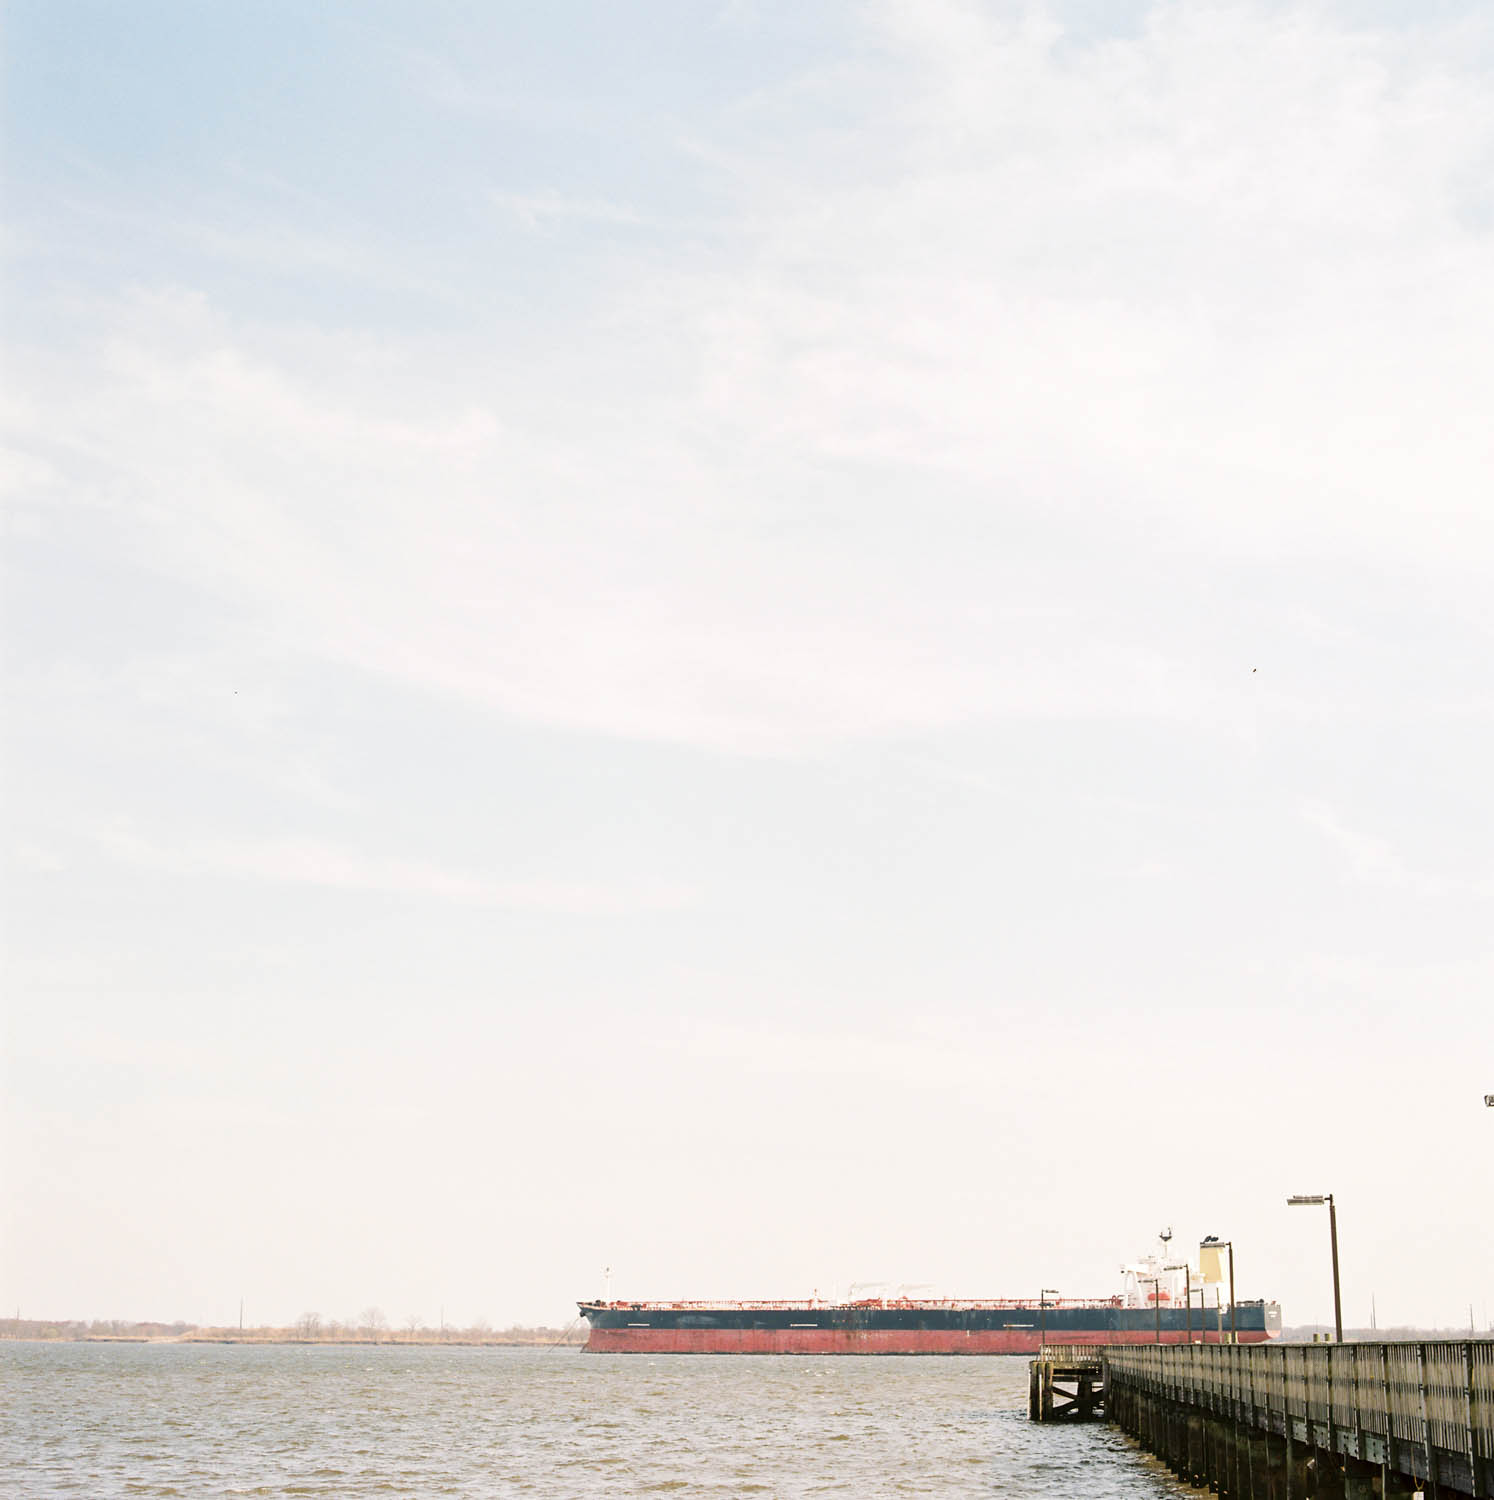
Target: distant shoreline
(309,1330)
(569,1341)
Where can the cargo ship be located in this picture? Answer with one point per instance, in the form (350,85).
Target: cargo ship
(1159,1302)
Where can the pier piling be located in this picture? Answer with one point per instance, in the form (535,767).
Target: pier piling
(1065,1384)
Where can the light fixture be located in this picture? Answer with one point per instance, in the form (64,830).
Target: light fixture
(1316,1200)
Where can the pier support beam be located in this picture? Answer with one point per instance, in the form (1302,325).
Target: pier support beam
(1193,1470)
(1298,1470)
(1330,1477)
(1260,1466)
(1361,1482)
(1275,1451)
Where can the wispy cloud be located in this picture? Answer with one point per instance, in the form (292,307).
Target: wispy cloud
(309,862)
(1371,859)
(1066,303)
(1071,305)
(542,210)
(914,1060)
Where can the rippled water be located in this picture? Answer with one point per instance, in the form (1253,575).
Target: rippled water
(206,1420)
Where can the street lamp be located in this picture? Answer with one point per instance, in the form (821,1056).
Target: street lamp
(1155,1282)
(1043,1296)
(1213,1242)
(1316,1200)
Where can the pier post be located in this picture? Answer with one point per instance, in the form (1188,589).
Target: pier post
(1260,1467)
(1360,1484)
(1330,1477)
(1273,1451)
(1298,1458)
(1195,1465)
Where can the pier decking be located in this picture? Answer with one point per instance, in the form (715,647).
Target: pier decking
(1280,1422)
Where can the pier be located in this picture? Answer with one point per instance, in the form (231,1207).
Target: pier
(1066,1382)
(1285,1421)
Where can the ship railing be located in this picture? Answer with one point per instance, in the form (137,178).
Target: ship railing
(954,1304)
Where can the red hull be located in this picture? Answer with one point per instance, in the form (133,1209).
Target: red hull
(846,1341)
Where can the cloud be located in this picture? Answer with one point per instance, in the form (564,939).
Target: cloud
(960,392)
(622,585)
(38,860)
(909,1060)
(1195,278)
(1372,860)
(311,862)
(540,211)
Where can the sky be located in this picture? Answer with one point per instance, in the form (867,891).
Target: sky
(767,645)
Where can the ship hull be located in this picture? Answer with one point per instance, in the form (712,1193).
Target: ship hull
(902,1328)
(859,1341)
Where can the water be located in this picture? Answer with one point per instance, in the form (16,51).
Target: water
(147,1420)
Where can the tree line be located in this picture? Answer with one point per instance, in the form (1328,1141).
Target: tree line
(370,1326)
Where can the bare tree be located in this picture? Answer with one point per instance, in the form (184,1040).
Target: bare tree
(373,1323)
(309,1325)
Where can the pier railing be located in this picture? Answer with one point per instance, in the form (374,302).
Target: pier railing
(1442,1394)
(1072,1356)
(1424,1410)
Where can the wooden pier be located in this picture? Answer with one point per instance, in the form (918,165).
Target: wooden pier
(1066,1382)
(1285,1421)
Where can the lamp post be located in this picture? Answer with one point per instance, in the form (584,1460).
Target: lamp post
(1043,1296)
(1215,1243)
(1155,1282)
(1316,1200)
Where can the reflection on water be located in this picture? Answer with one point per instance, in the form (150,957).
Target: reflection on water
(199,1420)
